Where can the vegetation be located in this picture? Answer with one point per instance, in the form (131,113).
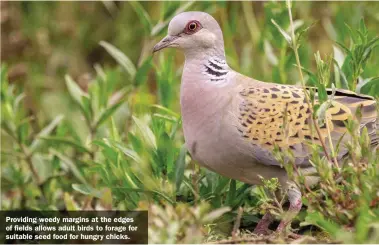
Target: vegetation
(91,120)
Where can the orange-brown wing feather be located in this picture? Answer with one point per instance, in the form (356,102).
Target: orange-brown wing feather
(279,115)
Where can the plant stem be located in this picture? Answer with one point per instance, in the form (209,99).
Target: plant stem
(27,156)
(28,159)
(331,143)
(237,223)
(295,49)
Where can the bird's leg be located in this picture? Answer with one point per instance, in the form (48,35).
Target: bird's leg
(262,226)
(294,196)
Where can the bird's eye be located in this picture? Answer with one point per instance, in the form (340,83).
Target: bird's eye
(192,27)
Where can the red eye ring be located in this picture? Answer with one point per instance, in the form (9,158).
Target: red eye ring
(192,27)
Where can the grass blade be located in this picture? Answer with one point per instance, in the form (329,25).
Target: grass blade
(45,132)
(180,166)
(59,140)
(121,58)
(107,113)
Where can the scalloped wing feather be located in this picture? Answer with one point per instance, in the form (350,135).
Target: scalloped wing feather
(279,115)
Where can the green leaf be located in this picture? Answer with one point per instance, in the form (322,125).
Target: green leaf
(79,96)
(45,132)
(142,15)
(164,117)
(365,86)
(322,93)
(340,77)
(221,184)
(65,141)
(353,35)
(23,130)
(121,58)
(71,205)
(75,91)
(87,109)
(128,152)
(321,111)
(114,131)
(343,47)
(215,214)
(17,101)
(373,43)
(317,219)
(338,56)
(107,113)
(143,71)
(86,190)
(232,192)
(166,110)
(302,32)
(164,196)
(283,32)
(71,165)
(146,132)
(180,166)
(101,143)
(136,142)
(312,76)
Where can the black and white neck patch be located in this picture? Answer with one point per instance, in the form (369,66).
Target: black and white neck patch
(217,70)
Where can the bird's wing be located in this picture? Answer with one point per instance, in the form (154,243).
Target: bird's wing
(369,111)
(272,114)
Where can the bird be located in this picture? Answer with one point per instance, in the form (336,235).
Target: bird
(232,122)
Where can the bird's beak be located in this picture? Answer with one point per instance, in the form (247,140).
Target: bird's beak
(164,43)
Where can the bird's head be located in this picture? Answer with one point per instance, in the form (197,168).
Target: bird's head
(193,32)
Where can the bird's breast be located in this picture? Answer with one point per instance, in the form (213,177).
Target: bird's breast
(212,137)
(202,110)
(209,129)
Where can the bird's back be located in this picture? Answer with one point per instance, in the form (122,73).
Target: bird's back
(272,115)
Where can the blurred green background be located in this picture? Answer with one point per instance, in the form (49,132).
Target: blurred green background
(41,42)
(115,140)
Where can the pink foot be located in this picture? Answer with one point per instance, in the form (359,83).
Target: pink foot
(294,209)
(295,236)
(262,226)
